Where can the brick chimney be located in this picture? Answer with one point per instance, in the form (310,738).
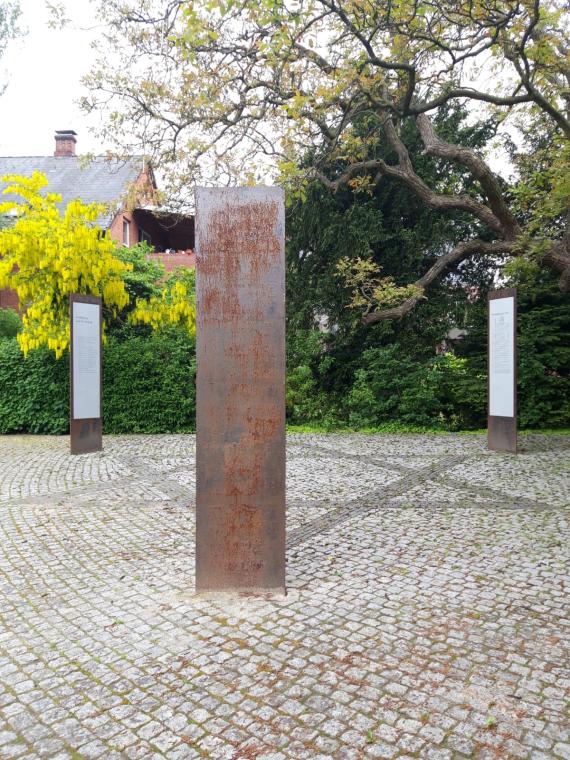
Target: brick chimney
(65,140)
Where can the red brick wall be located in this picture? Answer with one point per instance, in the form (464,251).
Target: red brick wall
(179,259)
(8,299)
(116,228)
(64,148)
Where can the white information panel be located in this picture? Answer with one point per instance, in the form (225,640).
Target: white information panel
(86,353)
(501,357)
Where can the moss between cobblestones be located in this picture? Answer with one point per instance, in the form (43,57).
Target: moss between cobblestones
(397,429)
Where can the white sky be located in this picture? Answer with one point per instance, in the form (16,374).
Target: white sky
(43,71)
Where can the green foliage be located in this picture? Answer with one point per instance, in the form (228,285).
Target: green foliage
(391,386)
(390,231)
(369,289)
(544,366)
(389,376)
(143,279)
(148,386)
(149,379)
(463,391)
(543,344)
(305,402)
(34,392)
(10,323)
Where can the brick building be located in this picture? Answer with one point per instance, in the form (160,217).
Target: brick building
(127,189)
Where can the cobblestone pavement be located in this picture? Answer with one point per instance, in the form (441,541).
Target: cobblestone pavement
(427,615)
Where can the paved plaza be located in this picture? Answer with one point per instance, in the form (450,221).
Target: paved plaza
(428,613)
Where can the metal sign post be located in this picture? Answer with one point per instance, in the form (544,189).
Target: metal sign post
(85,367)
(502,374)
(240,386)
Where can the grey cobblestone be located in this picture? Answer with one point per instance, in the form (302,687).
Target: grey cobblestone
(427,613)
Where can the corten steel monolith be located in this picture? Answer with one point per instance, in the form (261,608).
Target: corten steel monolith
(85,371)
(502,370)
(240,419)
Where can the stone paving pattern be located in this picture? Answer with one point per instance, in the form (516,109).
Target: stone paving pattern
(428,612)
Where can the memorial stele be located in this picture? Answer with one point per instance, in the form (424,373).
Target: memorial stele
(85,374)
(502,433)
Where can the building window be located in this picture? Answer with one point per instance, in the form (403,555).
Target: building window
(144,237)
(126,232)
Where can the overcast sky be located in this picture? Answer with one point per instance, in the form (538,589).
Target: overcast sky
(43,71)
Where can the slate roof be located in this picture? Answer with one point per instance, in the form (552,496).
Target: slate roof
(100,180)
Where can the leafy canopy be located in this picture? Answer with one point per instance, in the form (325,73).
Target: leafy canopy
(240,80)
(238,90)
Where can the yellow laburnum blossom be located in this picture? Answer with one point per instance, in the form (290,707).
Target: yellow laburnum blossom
(174,306)
(48,254)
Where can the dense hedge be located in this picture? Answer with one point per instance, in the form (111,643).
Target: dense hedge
(34,392)
(10,323)
(148,386)
(149,379)
(402,383)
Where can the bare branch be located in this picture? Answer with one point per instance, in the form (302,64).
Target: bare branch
(478,168)
(467,92)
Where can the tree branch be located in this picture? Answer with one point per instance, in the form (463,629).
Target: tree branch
(435,146)
(459,253)
(406,174)
(468,92)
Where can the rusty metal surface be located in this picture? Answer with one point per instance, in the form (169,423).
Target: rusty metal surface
(240,421)
(85,435)
(502,431)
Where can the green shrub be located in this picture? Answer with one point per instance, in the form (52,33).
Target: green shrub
(462,392)
(544,366)
(543,345)
(305,403)
(392,387)
(148,386)
(34,392)
(10,323)
(332,381)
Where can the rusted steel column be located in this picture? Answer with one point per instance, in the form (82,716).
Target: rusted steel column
(240,481)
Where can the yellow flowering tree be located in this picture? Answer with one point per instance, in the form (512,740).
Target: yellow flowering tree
(48,254)
(174,305)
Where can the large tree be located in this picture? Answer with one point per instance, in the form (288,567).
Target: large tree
(231,85)
(388,234)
